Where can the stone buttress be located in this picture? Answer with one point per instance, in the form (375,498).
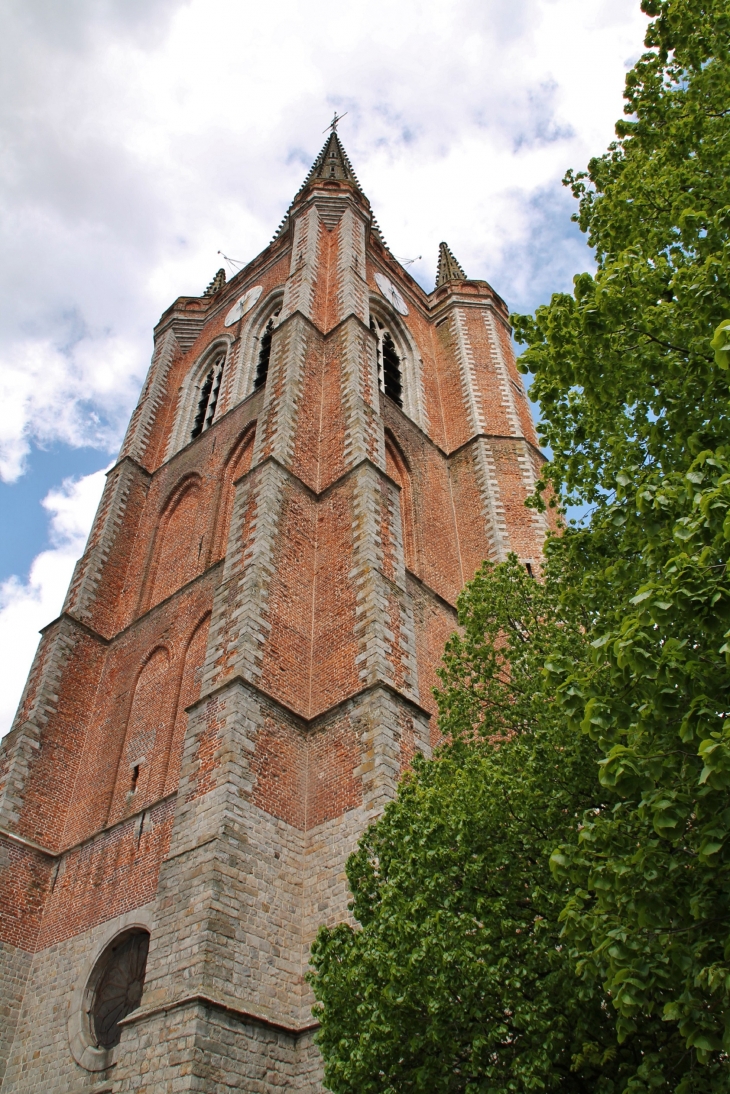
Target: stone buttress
(321,455)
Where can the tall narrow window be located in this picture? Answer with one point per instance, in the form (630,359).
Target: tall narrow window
(262,368)
(389,373)
(208,400)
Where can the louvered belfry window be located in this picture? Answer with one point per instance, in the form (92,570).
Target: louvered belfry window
(389,370)
(262,365)
(208,400)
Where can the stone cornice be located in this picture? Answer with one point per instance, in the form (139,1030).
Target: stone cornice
(229,1007)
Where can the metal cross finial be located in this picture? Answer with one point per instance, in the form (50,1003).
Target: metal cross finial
(333,124)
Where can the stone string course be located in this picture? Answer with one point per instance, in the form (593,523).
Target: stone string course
(244,664)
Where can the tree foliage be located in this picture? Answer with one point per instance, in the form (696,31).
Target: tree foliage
(632,375)
(589,714)
(456,979)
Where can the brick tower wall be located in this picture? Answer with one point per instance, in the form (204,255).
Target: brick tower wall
(245,659)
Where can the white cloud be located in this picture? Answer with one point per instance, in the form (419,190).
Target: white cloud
(79,395)
(25,607)
(141,137)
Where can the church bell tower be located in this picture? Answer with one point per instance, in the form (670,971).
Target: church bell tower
(322,454)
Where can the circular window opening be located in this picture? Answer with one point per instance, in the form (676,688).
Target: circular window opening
(119,986)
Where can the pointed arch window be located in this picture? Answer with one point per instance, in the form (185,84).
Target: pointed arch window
(262,365)
(208,400)
(390,378)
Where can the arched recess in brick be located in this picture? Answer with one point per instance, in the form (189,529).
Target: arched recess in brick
(237,464)
(188,693)
(147,731)
(397,467)
(178,547)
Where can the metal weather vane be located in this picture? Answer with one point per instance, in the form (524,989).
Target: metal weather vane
(333,124)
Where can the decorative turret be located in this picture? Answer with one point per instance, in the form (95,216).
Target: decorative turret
(448,268)
(216,284)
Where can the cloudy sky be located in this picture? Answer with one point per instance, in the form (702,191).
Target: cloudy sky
(141,137)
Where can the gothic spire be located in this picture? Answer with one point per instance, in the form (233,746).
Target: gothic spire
(332,163)
(448,268)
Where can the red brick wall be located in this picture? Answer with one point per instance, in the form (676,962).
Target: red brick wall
(57,764)
(334,645)
(167,774)
(25,877)
(287,659)
(307,778)
(237,464)
(100,791)
(207,760)
(147,723)
(399,471)
(111,874)
(333,787)
(324,309)
(436,542)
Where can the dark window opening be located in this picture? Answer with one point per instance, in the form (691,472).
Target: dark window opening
(213,402)
(135,777)
(528,567)
(389,371)
(262,368)
(202,405)
(119,988)
(208,400)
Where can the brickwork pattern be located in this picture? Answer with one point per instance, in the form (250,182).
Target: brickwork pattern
(139,433)
(26,877)
(43,748)
(100,573)
(101,790)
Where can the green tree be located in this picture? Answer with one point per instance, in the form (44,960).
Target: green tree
(474,969)
(456,979)
(631,371)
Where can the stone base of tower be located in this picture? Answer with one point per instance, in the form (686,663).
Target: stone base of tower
(269,807)
(46,1047)
(14,968)
(207,1049)
(256,862)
